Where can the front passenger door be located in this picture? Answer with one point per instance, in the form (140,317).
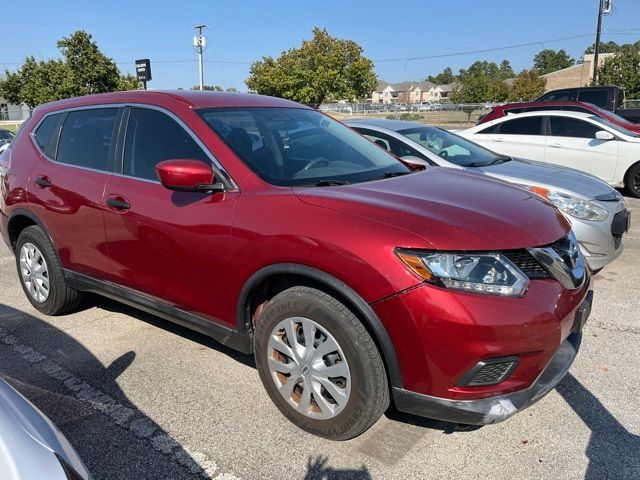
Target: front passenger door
(572,143)
(172,247)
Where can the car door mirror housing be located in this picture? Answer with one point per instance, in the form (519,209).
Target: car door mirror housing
(185,175)
(604,135)
(415,163)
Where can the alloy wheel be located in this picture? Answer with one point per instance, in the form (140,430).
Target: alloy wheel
(34,272)
(309,368)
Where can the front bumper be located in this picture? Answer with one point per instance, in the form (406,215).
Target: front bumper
(601,242)
(493,409)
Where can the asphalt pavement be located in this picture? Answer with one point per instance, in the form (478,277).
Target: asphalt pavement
(141,398)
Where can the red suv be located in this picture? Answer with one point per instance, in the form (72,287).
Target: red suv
(537,106)
(353,279)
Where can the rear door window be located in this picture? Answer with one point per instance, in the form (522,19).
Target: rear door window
(596,97)
(45,134)
(87,138)
(572,127)
(522,126)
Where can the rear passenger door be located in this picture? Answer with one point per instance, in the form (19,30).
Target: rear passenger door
(170,247)
(521,137)
(572,143)
(76,151)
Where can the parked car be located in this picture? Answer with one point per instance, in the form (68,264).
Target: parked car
(572,139)
(513,108)
(608,97)
(598,213)
(400,107)
(425,106)
(5,136)
(323,255)
(30,444)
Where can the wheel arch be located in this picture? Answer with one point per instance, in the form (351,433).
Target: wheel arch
(627,173)
(21,219)
(268,281)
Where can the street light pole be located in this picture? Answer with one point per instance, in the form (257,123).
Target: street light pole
(597,48)
(199,42)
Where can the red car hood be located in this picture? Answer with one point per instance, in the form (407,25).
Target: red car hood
(450,209)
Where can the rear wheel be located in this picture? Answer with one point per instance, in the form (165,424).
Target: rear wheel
(41,274)
(632,180)
(319,364)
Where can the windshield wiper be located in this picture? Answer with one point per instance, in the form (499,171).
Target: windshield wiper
(394,174)
(328,183)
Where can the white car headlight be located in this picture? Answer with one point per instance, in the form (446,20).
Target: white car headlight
(490,273)
(573,206)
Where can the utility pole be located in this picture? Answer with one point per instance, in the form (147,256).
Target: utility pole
(200,43)
(604,7)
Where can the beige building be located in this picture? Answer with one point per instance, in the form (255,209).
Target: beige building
(576,76)
(409,92)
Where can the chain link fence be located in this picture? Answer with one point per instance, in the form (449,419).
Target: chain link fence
(631,104)
(449,115)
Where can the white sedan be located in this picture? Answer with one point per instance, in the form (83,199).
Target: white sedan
(572,139)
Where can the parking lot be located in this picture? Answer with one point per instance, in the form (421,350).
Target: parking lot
(139,397)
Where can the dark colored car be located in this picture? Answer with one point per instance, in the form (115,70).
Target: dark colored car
(514,108)
(353,279)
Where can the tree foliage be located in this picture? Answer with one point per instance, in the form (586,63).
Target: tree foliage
(527,86)
(83,70)
(623,69)
(549,60)
(443,78)
(323,67)
(611,47)
(505,70)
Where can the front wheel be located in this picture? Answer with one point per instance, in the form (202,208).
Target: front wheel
(319,364)
(632,181)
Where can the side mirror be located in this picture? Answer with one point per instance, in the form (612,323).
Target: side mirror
(415,163)
(187,176)
(604,135)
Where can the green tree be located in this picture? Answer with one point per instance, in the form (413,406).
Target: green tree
(83,70)
(322,67)
(605,47)
(212,88)
(623,70)
(505,70)
(550,60)
(443,78)
(474,88)
(527,86)
(489,69)
(497,91)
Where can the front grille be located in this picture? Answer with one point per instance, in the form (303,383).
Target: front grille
(527,264)
(489,372)
(619,226)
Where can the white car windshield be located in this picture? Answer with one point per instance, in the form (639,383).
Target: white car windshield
(612,125)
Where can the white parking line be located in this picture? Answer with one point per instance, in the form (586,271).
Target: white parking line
(195,462)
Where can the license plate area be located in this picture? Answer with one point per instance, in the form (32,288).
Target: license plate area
(582,314)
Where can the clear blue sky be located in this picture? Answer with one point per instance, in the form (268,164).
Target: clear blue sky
(243,31)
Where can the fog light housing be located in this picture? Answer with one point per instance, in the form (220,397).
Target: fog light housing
(489,372)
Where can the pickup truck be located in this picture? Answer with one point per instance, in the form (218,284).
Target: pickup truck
(608,97)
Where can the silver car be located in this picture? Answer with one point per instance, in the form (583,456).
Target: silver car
(598,213)
(31,447)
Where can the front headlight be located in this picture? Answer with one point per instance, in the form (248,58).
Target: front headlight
(574,206)
(490,273)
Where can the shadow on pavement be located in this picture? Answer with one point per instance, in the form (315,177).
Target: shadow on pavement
(82,397)
(317,469)
(613,451)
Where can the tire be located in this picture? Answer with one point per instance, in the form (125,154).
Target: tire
(364,384)
(632,181)
(58,297)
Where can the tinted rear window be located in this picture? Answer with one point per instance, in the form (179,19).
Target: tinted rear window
(597,97)
(572,127)
(86,138)
(44,134)
(522,126)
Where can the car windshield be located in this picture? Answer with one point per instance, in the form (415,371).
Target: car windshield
(452,148)
(609,114)
(615,127)
(299,146)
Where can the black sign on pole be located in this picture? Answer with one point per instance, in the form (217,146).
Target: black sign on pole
(143,71)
